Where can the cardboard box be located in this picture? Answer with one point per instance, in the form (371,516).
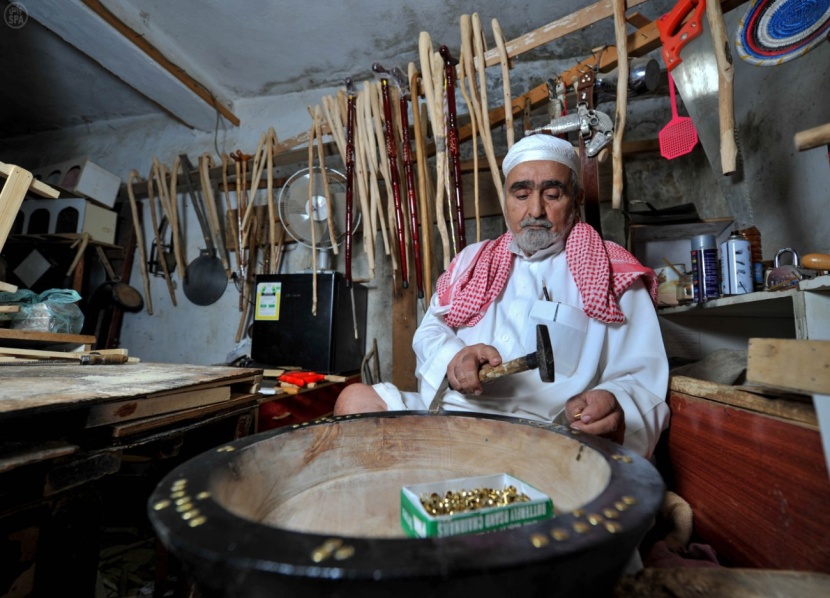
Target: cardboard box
(81,177)
(70,215)
(418,523)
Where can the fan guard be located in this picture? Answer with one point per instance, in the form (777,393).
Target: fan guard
(298,217)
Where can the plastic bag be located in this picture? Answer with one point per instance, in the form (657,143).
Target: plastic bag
(54,310)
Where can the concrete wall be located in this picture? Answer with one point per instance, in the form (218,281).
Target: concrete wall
(788,189)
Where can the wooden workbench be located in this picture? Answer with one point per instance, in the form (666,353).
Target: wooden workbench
(66,430)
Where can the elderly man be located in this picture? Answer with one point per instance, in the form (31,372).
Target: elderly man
(611,371)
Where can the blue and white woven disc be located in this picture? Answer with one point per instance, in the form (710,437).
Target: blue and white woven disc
(776,31)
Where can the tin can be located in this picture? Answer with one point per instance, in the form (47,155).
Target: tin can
(736,273)
(705,268)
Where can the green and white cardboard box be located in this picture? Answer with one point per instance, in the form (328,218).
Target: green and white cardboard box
(417,523)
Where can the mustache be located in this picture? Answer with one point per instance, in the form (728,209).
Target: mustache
(530,221)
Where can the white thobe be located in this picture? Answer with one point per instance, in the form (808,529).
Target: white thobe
(626,359)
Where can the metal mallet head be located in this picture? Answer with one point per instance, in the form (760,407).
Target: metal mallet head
(542,359)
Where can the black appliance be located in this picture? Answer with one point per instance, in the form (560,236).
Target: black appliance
(286,334)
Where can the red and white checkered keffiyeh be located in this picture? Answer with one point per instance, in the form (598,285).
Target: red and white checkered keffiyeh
(603,270)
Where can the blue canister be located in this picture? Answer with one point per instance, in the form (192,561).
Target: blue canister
(736,265)
(705,268)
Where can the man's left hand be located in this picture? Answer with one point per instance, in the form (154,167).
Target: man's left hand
(597,412)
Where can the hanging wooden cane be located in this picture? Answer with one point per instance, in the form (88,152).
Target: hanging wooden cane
(452,146)
(350,124)
(403,84)
(392,153)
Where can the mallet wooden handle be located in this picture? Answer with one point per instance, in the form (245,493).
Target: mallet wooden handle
(488,373)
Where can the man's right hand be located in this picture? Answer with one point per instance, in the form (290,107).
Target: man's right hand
(462,372)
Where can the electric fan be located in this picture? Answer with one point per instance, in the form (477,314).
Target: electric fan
(298,215)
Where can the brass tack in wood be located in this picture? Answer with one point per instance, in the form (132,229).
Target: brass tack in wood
(197,521)
(162,504)
(178,494)
(611,513)
(225,449)
(620,506)
(184,507)
(578,513)
(539,540)
(559,534)
(203,495)
(629,500)
(581,527)
(190,514)
(595,519)
(613,526)
(343,553)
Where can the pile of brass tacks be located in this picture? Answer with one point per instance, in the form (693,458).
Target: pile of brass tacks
(470,500)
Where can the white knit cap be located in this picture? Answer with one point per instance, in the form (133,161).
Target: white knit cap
(541,147)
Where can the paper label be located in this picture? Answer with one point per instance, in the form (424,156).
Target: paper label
(268,295)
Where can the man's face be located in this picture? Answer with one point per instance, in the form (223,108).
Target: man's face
(539,203)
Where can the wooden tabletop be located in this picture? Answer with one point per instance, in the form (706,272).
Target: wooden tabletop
(34,388)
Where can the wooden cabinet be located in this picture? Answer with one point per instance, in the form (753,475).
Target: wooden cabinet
(753,470)
(279,410)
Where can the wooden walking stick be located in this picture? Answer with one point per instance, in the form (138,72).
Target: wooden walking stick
(317,117)
(423,185)
(139,238)
(172,207)
(205,162)
(428,84)
(350,125)
(272,214)
(452,146)
(486,132)
(622,103)
(505,76)
(402,81)
(464,70)
(392,154)
(382,164)
(159,248)
(310,210)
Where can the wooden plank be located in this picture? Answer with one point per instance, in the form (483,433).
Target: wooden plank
(758,486)
(16,455)
(31,390)
(38,338)
(151,423)
(798,365)
(404,323)
(139,407)
(800,411)
(7,288)
(575,21)
(9,309)
(37,187)
(11,196)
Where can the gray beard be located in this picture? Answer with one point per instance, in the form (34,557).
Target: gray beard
(531,240)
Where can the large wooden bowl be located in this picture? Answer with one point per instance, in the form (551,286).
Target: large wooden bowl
(315,509)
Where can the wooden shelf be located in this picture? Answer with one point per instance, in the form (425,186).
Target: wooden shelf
(769,304)
(34,339)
